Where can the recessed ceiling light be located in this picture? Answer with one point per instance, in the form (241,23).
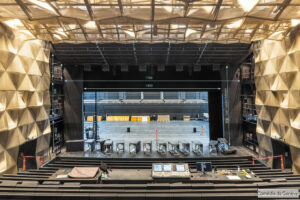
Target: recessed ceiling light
(192,11)
(14,23)
(247,5)
(72,26)
(27,33)
(147,26)
(91,25)
(189,32)
(235,24)
(168,8)
(62,33)
(207,9)
(43,5)
(130,33)
(57,36)
(276,33)
(295,22)
(174,26)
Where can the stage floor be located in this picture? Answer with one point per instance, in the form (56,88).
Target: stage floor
(240,151)
(172,131)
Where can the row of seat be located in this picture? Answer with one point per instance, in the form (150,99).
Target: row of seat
(40,182)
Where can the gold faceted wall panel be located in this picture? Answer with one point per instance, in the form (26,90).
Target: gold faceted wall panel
(24,96)
(277,80)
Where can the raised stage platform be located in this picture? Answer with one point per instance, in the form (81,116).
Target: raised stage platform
(240,151)
(173,131)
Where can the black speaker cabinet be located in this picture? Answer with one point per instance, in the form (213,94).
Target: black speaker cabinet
(74,145)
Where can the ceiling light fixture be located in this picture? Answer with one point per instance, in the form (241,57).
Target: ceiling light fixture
(276,33)
(27,33)
(130,33)
(168,8)
(207,9)
(139,33)
(235,24)
(192,11)
(72,26)
(295,22)
(174,26)
(247,5)
(62,33)
(147,26)
(14,23)
(57,36)
(212,26)
(91,25)
(43,5)
(189,32)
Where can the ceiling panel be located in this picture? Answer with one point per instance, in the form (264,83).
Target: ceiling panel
(154,21)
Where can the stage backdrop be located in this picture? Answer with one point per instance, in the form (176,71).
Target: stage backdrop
(24,95)
(277,80)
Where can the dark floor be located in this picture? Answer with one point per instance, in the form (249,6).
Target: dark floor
(130,178)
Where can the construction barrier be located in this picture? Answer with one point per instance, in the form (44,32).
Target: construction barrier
(163,118)
(117,118)
(140,118)
(25,157)
(90,118)
(264,158)
(186,118)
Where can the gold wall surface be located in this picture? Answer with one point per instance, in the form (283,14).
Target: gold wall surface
(24,96)
(277,80)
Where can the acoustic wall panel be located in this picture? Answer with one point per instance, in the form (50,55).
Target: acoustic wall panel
(24,96)
(277,80)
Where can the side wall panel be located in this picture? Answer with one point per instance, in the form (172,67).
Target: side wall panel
(24,96)
(277,80)
(73,102)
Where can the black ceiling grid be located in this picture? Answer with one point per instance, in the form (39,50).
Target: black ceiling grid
(185,54)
